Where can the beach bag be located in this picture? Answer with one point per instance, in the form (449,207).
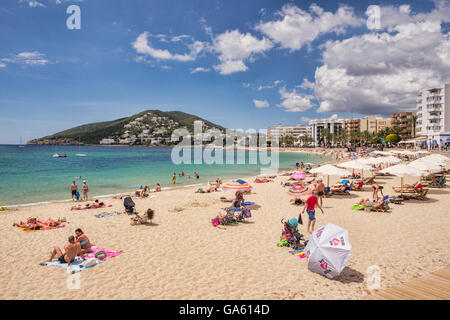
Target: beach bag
(89,262)
(247,213)
(215,222)
(101,255)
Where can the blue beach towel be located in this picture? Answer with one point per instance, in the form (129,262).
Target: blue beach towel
(241,181)
(75,266)
(108,214)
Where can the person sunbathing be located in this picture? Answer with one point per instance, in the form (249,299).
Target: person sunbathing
(297,201)
(71,250)
(262,180)
(86,246)
(36,224)
(94,205)
(340,187)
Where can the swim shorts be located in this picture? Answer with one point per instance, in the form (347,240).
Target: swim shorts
(311,214)
(320,193)
(62,260)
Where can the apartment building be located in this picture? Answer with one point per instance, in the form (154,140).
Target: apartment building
(403,120)
(295,131)
(336,126)
(371,124)
(433,116)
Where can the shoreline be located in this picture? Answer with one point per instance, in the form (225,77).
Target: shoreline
(327,159)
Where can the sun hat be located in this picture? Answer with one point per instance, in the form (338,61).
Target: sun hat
(100,255)
(293,222)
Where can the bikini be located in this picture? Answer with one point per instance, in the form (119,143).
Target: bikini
(82,243)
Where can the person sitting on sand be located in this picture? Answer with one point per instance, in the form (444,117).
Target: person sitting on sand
(141,193)
(86,246)
(144,218)
(71,250)
(158,188)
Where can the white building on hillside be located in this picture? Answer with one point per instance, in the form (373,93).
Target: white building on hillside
(433,116)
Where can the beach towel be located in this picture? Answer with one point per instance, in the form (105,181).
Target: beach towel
(109,253)
(241,181)
(44,228)
(75,267)
(358,207)
(106,214)
(282,243)
(299,253)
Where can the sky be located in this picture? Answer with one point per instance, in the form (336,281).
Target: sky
(240,64)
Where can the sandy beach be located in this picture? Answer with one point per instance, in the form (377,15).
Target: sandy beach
(181,256)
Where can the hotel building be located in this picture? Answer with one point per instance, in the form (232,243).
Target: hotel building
(433,116)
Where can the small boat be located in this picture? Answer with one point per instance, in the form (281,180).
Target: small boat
(57,155)
(80,155)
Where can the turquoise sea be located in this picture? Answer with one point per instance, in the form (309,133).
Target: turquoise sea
(32,175)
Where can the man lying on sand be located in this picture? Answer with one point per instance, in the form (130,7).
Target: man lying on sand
(71,250)
(96,204)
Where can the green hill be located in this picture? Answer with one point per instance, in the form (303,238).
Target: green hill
(142,124)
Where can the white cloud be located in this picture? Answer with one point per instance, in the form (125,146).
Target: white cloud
(33,3)
(381,72)
(275,83)
(2,65)
(298,27)
(32,58)
(261,103)
(246,85)
(200,69)
(142,46)
(235,47)
(294,102)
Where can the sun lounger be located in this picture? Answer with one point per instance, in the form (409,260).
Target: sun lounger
(382,207)
(403,190)
(369,180)
(440,184)
(420,195)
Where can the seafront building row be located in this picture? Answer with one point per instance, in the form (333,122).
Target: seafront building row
(426,127)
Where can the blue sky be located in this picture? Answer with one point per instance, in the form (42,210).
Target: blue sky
(241,64)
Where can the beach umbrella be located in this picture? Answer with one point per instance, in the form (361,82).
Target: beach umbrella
(389,160)
(402,170)
(328,250)
(234,185)
(383,153)
(297,190)
(370,160)
(424,165)
(330,170)
(437,156)
(355,164)
(298,176)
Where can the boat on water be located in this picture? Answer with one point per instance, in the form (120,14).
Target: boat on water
(57,155)
(80,154)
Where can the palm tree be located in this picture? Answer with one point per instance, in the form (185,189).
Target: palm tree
(413,123)
(326,136)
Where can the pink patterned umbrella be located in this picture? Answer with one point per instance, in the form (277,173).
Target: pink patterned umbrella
(298,176)
(296,191)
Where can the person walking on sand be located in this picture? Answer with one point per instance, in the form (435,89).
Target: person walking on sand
(74,189)
(174,178)
(85,191)
(310,206)
(320,189)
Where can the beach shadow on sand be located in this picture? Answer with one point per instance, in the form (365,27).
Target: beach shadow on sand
(147,224)
(350,275)
(438,191)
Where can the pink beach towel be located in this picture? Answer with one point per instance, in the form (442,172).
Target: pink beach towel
(109,253)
